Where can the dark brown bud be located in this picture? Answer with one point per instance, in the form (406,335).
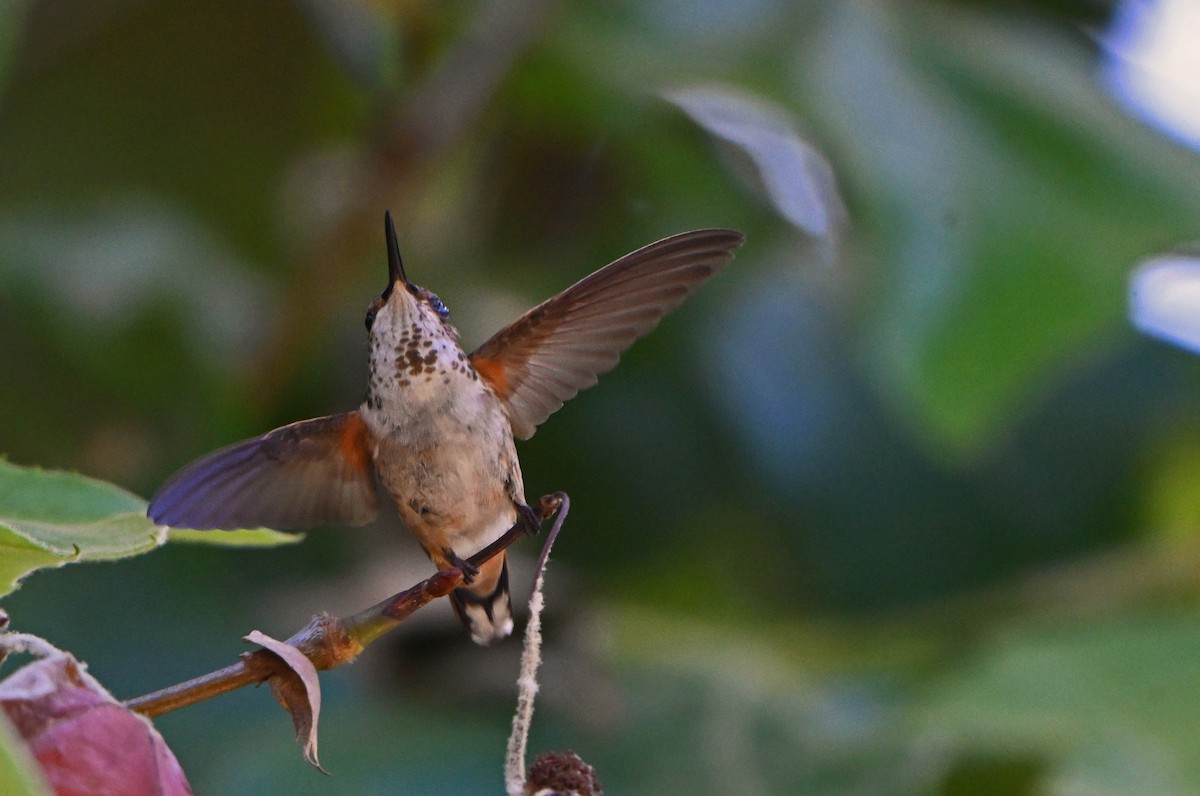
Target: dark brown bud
(562,774)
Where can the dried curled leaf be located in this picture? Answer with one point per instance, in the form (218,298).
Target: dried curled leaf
(84,740)
(298,690)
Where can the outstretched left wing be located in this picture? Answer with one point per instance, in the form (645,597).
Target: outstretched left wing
(559,347)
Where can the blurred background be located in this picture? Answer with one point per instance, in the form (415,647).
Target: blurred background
(897,504)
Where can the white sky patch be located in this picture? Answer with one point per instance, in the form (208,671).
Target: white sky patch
(1153,64)
(1164,299)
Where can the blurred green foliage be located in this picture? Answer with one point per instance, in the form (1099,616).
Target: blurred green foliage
(905,509)
(16,766)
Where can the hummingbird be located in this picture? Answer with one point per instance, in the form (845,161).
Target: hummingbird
(437,426)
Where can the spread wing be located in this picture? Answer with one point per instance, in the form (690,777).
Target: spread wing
(559,347)
(315,472)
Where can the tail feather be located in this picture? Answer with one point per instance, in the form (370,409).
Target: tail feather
(484,608)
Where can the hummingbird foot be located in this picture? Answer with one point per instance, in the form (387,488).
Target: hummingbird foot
(468,569)
(529,518)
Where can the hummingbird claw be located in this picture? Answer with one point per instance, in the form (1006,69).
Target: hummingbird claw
(529,518)
(469,570)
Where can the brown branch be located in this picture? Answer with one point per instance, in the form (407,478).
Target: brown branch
(445,104)
(329,641)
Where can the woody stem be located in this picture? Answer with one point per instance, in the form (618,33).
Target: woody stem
(330,641)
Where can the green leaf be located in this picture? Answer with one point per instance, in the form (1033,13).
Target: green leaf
(1110,705)
(18,771)
(50,518)
(254,537)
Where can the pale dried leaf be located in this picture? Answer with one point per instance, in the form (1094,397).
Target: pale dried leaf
(298,690)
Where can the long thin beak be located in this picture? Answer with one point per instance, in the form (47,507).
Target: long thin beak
(395,264)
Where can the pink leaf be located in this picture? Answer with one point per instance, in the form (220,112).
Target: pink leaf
(85,741)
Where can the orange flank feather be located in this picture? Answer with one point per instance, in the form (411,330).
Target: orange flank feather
(494,373)
(354,442)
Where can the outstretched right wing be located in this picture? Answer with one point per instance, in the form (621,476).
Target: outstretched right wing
(315,472)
